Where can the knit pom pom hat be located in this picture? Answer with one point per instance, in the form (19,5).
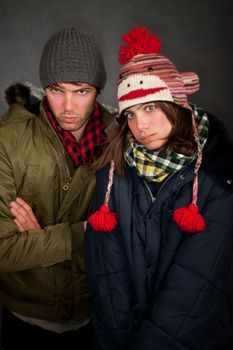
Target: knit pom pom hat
(148,76)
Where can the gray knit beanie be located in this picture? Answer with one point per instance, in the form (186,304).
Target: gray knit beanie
(72,56)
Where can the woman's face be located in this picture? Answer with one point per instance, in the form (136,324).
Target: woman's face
(148,124)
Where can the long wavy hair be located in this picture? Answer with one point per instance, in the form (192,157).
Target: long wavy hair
(180,140)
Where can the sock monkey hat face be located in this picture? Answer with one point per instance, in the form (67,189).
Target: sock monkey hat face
(149,76)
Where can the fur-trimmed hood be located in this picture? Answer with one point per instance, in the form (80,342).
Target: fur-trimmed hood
(24,102)
(26,95)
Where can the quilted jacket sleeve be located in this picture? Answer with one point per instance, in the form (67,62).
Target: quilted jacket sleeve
(29,249)
(189,305)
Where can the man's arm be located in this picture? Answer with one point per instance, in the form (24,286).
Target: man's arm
(28,249)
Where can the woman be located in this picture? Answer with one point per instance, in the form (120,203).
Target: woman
(159,240)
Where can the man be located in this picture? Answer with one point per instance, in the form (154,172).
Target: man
(43,285)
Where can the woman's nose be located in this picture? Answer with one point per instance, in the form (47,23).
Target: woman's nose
(142,122)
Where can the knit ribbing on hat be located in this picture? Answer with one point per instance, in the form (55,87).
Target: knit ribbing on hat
(146,71)
(142,57)
(72,56)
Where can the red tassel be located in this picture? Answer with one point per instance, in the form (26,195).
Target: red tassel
(103,219)
(188,219)
(139,41)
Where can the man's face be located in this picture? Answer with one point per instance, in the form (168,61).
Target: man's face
(72,105)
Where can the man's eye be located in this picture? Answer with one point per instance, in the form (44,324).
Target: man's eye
(82,92)
(55,91)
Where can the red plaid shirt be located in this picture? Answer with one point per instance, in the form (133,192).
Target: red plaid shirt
(82,151)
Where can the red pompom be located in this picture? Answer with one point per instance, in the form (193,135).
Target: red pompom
(139,41)
(103,219)
(188,219)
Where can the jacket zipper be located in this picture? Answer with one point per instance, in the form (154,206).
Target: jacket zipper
(66,186)
(168,179)
(69,177)
(153,199)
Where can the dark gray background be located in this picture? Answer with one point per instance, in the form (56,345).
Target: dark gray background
(196,36)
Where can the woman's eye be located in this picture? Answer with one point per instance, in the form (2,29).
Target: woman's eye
(129,115)
(149,108)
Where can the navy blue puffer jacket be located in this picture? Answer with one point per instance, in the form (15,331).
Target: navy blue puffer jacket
(153,286)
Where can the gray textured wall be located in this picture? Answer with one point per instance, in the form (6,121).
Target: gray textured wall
(196,36)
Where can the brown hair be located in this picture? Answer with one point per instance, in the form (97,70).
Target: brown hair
(55,85)
(180,140)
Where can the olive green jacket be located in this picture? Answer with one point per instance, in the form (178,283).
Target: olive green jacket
(42,271)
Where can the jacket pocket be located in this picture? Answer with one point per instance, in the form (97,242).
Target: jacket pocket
(28,182)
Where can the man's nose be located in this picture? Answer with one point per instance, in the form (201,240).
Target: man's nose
(68,102)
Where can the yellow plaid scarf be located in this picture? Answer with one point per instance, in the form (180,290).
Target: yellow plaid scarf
(157,165)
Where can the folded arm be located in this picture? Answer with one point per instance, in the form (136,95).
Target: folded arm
(24,216)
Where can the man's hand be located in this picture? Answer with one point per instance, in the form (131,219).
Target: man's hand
(24,216)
